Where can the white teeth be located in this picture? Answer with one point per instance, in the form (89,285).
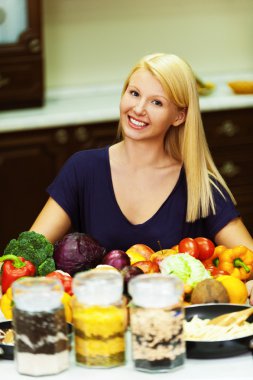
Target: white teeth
(138,123)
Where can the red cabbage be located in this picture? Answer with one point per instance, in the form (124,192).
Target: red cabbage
(77,252)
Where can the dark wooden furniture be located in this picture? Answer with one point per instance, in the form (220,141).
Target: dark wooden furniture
(230,137)
(21,64)
(29,160)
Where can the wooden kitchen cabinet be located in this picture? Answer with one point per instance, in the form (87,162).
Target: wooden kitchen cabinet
(230,138)
(29,160)
(21,54)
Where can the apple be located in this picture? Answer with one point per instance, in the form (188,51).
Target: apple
(140,250)
(147,266)
(160,255)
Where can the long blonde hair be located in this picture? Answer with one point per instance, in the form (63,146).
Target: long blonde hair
(187,142)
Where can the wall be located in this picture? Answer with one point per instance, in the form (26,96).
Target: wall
(94,41)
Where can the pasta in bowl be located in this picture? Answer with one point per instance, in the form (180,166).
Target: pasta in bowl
(209,342)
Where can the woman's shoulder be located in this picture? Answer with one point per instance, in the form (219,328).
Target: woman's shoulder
(88,157)
(96,153)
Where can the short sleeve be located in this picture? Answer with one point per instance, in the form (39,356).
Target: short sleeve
(225,212)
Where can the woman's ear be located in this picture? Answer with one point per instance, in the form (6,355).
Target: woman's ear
(180,118)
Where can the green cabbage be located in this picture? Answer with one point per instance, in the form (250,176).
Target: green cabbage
(184,266)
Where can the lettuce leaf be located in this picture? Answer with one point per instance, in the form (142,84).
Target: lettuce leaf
(184,266)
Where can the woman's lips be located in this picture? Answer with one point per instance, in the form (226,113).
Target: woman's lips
(137,124)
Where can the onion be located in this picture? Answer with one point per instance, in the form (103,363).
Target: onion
(117,259)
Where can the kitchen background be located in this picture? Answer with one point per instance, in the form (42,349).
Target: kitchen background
(88,48)
(94,41)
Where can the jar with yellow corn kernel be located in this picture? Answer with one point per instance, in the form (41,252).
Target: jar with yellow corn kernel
(99,319)
(156,320)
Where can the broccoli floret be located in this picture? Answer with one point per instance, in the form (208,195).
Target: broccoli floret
(46,267)
(33,247)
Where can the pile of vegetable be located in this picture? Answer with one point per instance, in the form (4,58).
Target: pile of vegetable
(210,273)
(35,248)
(31,254)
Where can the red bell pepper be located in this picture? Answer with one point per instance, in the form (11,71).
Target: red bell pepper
(65,279)
(214,271)
(15,267)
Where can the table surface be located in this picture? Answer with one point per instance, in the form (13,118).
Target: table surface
(234,368)
(240,367)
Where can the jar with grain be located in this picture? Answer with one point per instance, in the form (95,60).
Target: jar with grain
(99,319)
(156,321)
(40,329)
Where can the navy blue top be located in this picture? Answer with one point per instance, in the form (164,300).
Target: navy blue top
(84,189)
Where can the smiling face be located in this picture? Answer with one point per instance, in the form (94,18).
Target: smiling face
(145,109)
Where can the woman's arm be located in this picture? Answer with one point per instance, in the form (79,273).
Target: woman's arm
(52,222)
(233,234)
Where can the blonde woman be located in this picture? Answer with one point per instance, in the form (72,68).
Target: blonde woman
(159,183)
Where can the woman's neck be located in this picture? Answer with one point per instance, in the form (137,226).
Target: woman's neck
(141,154)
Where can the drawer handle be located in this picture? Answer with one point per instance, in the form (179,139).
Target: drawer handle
(81,134)
(229,169)
(61,136)
(34,45)
(228,128)
(4,81)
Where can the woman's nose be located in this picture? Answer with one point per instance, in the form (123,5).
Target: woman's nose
(140,107)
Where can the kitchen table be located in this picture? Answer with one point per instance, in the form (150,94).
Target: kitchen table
(234,368)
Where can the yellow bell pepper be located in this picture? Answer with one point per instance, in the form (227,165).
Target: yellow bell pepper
(237,261)
(7,303)
(67,303)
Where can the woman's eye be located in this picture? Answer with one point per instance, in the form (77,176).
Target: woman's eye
(157,103)
(134,93)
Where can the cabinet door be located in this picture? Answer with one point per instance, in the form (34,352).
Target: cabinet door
(28,164)
(21,58)
(230,138)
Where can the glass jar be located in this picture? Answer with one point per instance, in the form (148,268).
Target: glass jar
(99,319)
(156,321)
(41,341)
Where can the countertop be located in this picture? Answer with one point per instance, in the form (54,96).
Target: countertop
(100,103)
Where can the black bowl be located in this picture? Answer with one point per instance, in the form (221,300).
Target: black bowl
(221,348)
(7,350)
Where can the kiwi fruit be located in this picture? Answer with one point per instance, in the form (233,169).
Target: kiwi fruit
(209,291)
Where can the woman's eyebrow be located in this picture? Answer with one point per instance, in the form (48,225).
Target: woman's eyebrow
(153,95)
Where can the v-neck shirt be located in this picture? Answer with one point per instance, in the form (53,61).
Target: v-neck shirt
(84,189)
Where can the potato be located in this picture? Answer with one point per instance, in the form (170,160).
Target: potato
(209,291)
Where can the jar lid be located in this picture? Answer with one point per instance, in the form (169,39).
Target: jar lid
(98,288)
(155,290)
(36,294)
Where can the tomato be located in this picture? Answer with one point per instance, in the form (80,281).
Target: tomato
(205,248)
(188,245)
